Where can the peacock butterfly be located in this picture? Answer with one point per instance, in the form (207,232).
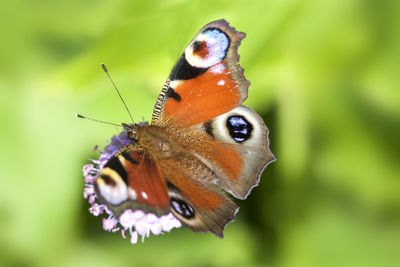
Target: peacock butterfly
(200,144)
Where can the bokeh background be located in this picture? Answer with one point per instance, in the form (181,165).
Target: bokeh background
(324,75)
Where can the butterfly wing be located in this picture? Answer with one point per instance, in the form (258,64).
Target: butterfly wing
(237,149)
(198,205)
(207,80)
(133,180)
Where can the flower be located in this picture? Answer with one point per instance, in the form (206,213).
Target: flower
(137,222)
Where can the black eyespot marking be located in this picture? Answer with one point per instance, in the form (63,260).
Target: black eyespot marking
(184,71)
(108,180)
(183,208)
(239,128)
(129,158)
(171,93)
(116,165)
(197,45)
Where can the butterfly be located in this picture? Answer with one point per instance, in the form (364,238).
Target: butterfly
(201,143)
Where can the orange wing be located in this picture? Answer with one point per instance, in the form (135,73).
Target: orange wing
(133,180)
(207,80)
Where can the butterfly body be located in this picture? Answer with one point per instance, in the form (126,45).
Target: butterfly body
(201,143)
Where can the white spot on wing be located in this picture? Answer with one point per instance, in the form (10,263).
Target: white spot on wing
(144,195)
(174,84)
(132,193)
(221,82)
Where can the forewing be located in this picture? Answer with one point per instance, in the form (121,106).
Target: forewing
(132,180)
(207,80)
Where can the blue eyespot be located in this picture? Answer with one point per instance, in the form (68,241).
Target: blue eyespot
(217,42)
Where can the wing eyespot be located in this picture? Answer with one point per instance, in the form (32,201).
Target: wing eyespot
(108,180)
(115,164)
(239,128)
(209,48)
(182,208)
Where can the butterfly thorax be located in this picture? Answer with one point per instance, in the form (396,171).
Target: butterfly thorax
(156,140)
(162,142)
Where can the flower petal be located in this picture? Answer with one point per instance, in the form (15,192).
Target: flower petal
(134,237)
(127,219)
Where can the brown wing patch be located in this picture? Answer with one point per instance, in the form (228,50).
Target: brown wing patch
(224,156)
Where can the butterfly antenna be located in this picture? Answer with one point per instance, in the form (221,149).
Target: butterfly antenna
(106,122)
(106,71)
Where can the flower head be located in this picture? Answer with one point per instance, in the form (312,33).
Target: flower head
(137,222)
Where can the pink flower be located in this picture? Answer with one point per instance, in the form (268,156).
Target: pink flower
(89,179)
(96,209)
(88,191)
(134,237)
(110,224)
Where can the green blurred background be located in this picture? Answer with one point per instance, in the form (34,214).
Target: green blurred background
(323,75)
